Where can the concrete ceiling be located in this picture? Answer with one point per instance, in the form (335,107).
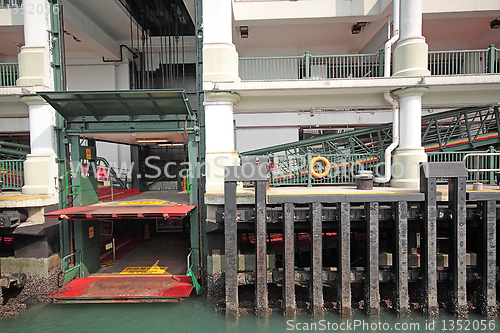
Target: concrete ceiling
(448,31)
(10,37)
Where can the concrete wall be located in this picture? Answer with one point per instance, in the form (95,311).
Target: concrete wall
(254,138)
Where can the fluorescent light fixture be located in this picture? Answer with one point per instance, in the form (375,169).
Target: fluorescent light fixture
(151,140)
(171,144)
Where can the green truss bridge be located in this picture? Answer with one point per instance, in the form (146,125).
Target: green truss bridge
(446,136)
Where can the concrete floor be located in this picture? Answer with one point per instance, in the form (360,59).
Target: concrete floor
(166,250)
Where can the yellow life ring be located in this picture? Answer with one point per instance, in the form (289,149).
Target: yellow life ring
(327,167)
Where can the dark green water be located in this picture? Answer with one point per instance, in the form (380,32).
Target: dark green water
(197,315)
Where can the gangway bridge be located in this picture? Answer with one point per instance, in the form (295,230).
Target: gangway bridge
(446,136)
(454,130)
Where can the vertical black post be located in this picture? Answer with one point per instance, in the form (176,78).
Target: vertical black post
(458,251)
(429,254)
(316,277)
(372,263)
(344,270)
(401,256)
(261,300)
(488,260)
(231,252)
(289,307)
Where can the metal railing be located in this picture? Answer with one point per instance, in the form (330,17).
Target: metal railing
(490,162)
(483,162)
(8,3)
(9,73)
(310,67)
(12,174)
(295,170)
(464,62)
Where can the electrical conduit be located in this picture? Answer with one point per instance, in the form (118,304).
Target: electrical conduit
(389,98)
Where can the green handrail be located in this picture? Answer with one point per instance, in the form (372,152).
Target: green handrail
(68,187)
(310,67)
(9,73)
(190,273)
(12,174)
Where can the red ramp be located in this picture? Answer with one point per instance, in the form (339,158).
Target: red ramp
(125,289)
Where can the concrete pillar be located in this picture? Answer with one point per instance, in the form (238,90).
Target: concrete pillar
(410,59)
(408,155)
(40,168)
(410,54)
(34,59)
(219,127)
(220,59)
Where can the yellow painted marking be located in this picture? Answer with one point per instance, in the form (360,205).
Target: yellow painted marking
(141,203)
(12,196)
(144,270)
(306,193)
(108,195)
(488,191)
(20,197)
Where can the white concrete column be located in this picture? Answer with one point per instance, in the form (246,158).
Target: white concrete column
(42,122)
(405,165)
(40,168)
(410,54)
(34,59)
(220,59)
(219,133)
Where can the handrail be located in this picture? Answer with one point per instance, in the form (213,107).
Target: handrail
(314,67)
(477,169)
(76,266)
(113,172)
(12,174)
(191,275)
(9,73)
(68,193)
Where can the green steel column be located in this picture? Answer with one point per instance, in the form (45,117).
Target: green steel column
(381,58)
(492,56)
(193,200)
(311,168)
(491,161)
(308,62)
(134,156)
(201,121)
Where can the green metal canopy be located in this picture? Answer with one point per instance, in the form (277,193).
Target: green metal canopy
(128,105)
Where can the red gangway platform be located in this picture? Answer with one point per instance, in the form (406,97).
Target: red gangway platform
(125,289)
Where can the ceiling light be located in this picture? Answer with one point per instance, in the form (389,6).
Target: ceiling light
(356,29)
(170,144)
(152,140)
(495,24)
(244,31)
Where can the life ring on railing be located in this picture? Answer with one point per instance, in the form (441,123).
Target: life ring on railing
(327,167)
